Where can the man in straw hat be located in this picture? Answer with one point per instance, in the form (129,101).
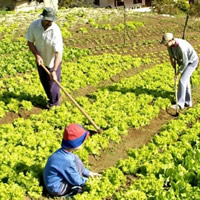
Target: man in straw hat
(64,173)
(45,42)
(182,53)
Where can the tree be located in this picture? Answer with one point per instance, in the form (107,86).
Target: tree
(75,3)
(194,11)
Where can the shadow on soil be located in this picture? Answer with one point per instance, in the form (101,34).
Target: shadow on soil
(136,138)
(36,100)
(140,90)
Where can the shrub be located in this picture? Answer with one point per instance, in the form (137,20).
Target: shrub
(183,5)
(165,7)
(75,3)
(195,8)
(65,3)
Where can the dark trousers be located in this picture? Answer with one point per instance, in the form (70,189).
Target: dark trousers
(51,88)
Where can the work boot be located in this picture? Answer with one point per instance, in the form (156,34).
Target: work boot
(187,105)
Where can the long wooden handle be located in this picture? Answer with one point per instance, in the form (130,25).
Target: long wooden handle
(75,103)
(176,95)
(175,70)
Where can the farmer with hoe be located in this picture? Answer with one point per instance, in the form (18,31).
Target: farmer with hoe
(182,53)
(45,42)
(64,174)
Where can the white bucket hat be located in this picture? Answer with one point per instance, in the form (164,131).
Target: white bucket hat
(49,14)
(166,38)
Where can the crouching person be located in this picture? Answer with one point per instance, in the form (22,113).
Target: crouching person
(64,173)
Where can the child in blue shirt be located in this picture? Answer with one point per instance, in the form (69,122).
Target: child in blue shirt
(64,172)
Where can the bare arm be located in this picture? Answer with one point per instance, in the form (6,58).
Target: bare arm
(57,60)
(33,49)
(56,64)
(93,174)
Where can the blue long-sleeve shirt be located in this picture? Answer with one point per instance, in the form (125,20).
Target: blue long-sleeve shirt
(61,167)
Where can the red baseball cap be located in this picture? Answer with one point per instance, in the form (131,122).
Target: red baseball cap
(74,136)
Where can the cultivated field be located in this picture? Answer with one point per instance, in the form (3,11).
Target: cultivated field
(124,81)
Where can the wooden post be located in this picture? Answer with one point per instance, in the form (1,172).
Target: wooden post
(186,22)
(124,24)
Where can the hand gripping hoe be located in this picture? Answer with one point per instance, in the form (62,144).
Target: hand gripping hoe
(74,102)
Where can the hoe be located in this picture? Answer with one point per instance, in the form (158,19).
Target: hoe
(176,97)
(74,102)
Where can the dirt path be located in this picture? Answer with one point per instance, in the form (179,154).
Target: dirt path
(136,138)
(11,116)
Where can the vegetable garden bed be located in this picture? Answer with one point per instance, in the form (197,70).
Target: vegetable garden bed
(132,87)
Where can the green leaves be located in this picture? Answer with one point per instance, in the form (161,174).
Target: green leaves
(22,92)
(167,168)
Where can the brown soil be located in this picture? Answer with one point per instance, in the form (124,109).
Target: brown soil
(11,116)
(136,138)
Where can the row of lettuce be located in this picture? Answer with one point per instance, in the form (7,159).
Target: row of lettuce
(166,168)
(26,143)
(16,57)
(24,92)
(89,25)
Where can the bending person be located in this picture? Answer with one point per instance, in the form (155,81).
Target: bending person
(182,53)
(45,42)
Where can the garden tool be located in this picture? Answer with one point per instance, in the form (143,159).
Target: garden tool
(74,102)
(176,93)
